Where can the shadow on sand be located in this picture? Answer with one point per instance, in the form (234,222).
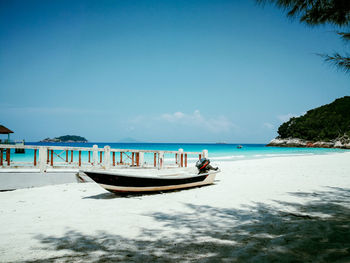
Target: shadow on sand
(316,231)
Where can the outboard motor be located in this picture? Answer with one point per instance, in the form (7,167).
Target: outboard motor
(204,166)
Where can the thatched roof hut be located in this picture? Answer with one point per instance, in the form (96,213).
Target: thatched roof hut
(4,130)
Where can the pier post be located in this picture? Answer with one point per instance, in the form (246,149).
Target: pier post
(141,158)
(8,158)
(42,159)
(155,159)
(35,151)
(137,159)
(1,157)
(181,157)
(205,153)
(121,158)
(79,158)
(94,154)
(161,160)
(107,159)
(185,159)
(113,158)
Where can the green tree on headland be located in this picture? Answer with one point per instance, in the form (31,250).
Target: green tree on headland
(325,123)
(74,138)
(66,138)
(318,12)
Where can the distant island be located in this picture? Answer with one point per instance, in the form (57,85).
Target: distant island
(128,140)
(66,138)
(327,126)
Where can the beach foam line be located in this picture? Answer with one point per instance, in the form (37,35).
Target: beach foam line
(282,154)
(213,158)
(248,156)
(227,157)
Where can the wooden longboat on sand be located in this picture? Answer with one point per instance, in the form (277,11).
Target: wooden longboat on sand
(133,180)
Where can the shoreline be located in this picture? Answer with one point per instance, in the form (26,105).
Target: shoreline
(24,177)
(272,209)
(216,152)
(300,143)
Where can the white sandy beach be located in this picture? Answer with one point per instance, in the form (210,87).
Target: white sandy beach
(279,209)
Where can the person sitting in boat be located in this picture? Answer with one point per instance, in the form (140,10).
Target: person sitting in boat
(204,166)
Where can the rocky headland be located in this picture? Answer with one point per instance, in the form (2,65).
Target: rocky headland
(66,138)
(295,142)
(327,126)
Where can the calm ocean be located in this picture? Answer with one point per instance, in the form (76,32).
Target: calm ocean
(217,152)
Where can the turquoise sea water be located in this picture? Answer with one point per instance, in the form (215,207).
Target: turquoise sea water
(217,152)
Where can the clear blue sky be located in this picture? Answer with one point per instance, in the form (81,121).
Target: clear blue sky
(160,71)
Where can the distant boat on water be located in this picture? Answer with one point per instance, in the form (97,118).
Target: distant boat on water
(239,146)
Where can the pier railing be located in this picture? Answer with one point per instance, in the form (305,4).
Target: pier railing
(44,157)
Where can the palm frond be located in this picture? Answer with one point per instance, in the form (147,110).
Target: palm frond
(344,35)
(339,61)
(315,12)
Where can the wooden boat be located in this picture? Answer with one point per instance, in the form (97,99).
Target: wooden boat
(149,180)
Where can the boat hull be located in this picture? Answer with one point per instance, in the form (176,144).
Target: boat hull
(121,183)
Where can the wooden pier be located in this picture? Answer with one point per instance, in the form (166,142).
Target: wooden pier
(65,157)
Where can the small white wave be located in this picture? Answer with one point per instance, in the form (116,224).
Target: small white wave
(231,157)
(235,157)
(227,157)
(281,154)
(188,159)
